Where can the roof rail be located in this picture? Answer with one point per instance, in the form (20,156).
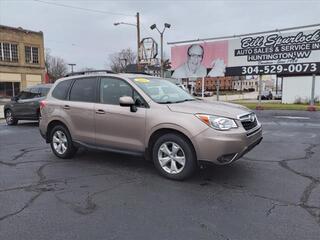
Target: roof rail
(137,72)
(88,72)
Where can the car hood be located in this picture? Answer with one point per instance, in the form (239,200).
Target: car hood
(224,109)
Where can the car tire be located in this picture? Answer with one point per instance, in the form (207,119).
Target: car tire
(61,142)
(174,157)
(10,120)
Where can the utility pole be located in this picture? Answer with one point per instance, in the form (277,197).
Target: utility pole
(138,41)
(137,25)
(72,65)
(161,61)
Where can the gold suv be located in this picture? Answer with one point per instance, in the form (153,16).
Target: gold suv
(145,115)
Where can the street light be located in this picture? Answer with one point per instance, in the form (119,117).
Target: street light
(154,26)
(137,25)
(72,65)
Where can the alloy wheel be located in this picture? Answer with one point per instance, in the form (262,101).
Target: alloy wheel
(171,157)
(9,118)
(60,142)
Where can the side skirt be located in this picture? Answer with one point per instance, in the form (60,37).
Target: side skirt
(108,149)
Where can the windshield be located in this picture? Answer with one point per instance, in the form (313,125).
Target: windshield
(162,91)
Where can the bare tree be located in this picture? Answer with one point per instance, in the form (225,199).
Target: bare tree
(119,60)
(56,66)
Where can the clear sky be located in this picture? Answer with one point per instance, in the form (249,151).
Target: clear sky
(87,38)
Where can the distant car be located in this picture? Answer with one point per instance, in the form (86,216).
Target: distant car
(277,96)
(265,95)
(26,105)
(205,94)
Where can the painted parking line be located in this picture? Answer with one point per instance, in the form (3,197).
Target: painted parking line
(292,117)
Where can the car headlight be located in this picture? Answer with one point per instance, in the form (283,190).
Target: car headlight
(217,122)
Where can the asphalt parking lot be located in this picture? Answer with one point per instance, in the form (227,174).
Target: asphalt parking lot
(271,193)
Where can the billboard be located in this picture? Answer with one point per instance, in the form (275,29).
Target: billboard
(276,53)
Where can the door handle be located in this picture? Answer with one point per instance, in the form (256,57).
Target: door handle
(100,111)
(67,107)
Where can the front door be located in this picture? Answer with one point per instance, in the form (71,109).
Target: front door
(118,127)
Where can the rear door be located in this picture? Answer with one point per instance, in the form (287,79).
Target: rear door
(24,107)
(117,127)
(80,109)
(32,105)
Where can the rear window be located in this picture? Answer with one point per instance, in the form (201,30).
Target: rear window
(61,90)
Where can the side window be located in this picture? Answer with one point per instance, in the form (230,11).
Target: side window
(61,90)
(83,90)
(138,100)
(34,90)
(112,89)
(44,91)
(27,95)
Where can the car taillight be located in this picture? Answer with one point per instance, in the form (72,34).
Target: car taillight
(43,103)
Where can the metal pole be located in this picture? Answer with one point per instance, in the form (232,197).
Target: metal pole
(311,107)
(202,87)
(312,89)
(138,41)
(218,88)
(161,61)
(276,84)
(71,65)
(260,86)
(13,92)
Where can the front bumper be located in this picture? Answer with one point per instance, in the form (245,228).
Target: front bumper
(226,147)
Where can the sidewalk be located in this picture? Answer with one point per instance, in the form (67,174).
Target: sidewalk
(244,96)
(1,112)
(3,101)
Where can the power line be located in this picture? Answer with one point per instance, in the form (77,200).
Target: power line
(84,9)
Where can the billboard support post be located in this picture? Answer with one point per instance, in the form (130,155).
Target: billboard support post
(259,107)
(218,88)
(311,107)
(202,87)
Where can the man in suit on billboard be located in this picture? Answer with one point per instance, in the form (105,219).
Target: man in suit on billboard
(192,67)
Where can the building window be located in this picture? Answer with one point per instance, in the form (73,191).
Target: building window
(8,52)
(32,54)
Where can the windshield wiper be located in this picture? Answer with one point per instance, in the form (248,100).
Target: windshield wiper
(180,101)
(185,100)
(167,102)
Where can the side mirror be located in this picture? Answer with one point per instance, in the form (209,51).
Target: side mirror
(15,98)
(127,101)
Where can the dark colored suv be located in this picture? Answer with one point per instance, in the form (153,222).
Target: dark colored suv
(26,105)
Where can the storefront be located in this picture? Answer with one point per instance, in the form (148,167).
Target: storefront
(10,84)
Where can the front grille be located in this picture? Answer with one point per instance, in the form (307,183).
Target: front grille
(249,121)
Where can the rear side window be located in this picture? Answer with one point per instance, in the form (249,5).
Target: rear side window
(83,90)
(61,90)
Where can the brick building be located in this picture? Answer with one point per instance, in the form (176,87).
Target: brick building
(21,59)
(210,83)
